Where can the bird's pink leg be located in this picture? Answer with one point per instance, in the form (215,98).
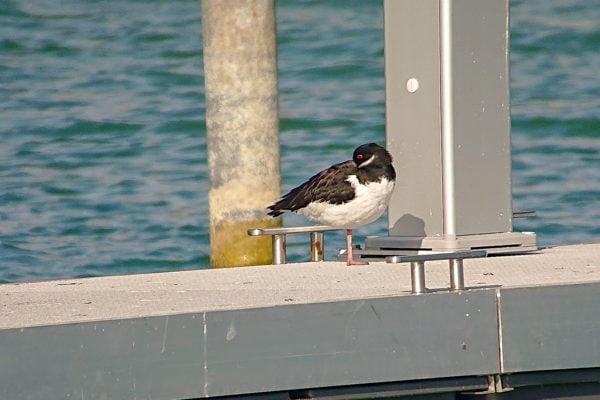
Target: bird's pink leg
(351,261)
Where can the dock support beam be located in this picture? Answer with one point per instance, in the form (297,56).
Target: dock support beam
(240,64)
(448,127)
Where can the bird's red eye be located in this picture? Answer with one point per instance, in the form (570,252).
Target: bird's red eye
(360,156)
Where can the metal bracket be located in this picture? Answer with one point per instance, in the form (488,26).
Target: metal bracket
(494,386)
(417,267)
(278,237)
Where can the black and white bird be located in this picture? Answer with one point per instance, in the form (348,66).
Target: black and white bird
(346,195)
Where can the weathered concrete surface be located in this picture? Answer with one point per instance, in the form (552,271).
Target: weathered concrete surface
(119,297)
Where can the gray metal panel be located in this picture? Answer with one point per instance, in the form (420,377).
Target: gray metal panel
(145,358)
(413,119)
(481,116)
(551,327)
(353,342)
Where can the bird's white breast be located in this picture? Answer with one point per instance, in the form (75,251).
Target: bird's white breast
(370,202)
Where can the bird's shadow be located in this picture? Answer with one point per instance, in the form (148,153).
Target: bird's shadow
(409,225)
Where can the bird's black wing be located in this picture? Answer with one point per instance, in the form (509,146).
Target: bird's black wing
(329,186)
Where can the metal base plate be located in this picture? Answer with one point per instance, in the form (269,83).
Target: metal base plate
(377,248)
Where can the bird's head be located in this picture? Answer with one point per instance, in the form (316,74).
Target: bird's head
(366,154)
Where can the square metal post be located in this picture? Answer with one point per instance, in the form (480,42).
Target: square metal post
(448,126)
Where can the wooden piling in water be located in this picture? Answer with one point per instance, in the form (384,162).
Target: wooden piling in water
(240,65)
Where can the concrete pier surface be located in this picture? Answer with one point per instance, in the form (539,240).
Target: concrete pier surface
(303,330)
(118,297)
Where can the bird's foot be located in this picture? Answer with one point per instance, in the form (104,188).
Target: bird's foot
(354,262)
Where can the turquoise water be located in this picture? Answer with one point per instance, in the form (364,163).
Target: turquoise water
(102,131)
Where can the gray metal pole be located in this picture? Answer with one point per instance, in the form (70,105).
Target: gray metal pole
(240,66)
(447,121)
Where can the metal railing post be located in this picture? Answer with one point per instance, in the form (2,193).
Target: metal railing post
(457,278)
(279,249)
(417,277)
